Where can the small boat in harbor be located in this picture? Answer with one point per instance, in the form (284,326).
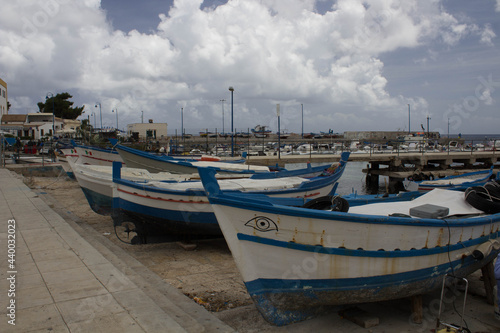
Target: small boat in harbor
(296,262)
(183,208)
(159,163)
(261,131)
(455,182)
(93,155)
(96,182)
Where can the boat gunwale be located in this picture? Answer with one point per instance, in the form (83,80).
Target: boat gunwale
(140,185)
(260,206)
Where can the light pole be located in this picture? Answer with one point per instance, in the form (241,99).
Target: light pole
(182,124)
(409,130)
(88,127)
(302,120)
(116,111)
(428,118)
(222,101)
(53,114)
(279,130)
(231,89)
(100,111)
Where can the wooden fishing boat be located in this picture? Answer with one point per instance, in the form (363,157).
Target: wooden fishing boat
(455,182)
(156,163)
(93,155)
(296,262)
(183,208)
(96,182)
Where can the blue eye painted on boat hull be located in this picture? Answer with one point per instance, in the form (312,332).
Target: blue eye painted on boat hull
(262,223)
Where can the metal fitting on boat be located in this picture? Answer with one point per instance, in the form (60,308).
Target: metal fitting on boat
(485,249)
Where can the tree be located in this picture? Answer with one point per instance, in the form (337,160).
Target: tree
(8,105)
(62,107)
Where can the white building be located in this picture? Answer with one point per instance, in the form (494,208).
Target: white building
(33,125)
(147,131)
(3,97)
(13,123)
(42,125)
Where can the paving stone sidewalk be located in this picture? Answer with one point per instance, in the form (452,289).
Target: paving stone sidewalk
(52,279)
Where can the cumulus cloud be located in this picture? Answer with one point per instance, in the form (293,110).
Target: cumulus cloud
(487,35)
(271,51)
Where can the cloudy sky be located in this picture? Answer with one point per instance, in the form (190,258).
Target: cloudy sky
(345,65)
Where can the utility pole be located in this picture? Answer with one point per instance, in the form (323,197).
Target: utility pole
(279,134)
(231,89)
(302,120)
(409,128)
(222,101)
(428,118)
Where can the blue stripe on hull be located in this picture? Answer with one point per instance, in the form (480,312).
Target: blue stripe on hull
(284,301)
(364,253)
(101,204)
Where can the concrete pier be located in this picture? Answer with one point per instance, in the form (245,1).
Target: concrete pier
(397,165)
(392,160)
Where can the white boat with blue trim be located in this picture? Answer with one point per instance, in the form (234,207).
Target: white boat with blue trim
(92,155)
(296,262)
(183,208)
(96,182)
(458,182)
(161,163)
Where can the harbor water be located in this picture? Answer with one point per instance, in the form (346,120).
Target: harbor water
(353,179)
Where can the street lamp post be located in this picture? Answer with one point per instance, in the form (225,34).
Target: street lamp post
(231,89)
(53,114)
(302,120)
(428,133)
(279,131)
(182,125)
(222,101)
(100,111)
(409,129)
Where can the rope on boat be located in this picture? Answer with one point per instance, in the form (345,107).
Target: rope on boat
(485,198)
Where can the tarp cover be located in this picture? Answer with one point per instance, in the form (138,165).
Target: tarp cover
(454,200)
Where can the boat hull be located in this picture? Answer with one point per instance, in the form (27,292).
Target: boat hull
(139,159)
(96,156)
(96,183)
(191,208)
(168,204)
(152,165)
(456,182)
(295,262)
(98,191)
(299,296)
